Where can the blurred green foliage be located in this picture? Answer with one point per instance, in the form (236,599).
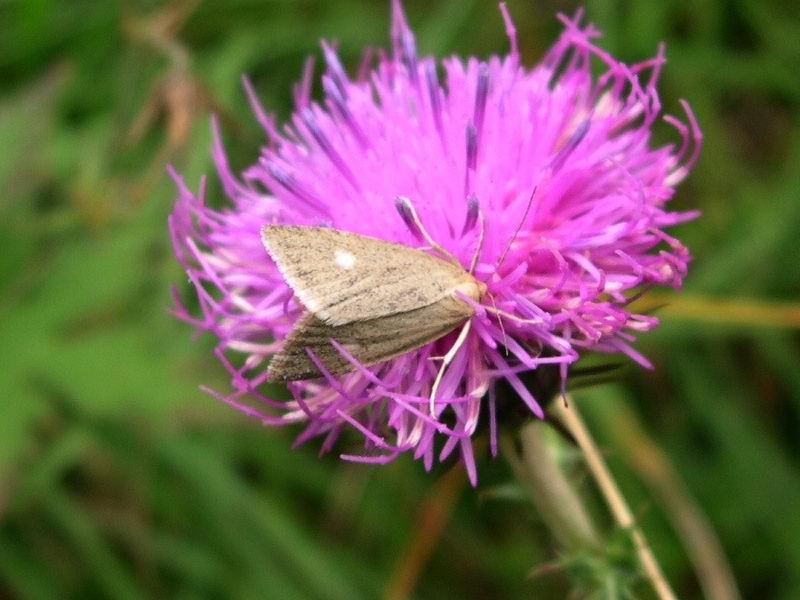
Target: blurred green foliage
(119,479)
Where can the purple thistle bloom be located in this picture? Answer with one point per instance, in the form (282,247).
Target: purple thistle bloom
(559,163)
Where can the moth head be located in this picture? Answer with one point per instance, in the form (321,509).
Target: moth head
(472,288)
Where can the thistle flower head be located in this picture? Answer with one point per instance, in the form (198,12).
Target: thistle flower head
(554,164)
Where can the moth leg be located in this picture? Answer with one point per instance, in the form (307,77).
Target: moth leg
(510,317)
(448,358)
(406,205)
(500,322)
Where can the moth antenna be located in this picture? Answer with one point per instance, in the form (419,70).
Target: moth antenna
(501,313)
(499,321)
(448,358)
(409,214)
(481,231)
(517,230)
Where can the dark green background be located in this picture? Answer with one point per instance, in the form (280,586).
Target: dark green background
(118,478)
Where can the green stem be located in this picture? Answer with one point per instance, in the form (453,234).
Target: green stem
(556,500)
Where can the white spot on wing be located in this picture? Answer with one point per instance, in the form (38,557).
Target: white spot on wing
(344,259)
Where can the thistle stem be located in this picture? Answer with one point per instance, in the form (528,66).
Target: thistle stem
(551,492)
(572,420)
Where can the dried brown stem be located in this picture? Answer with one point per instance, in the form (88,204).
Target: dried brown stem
(571,419)
(735,311)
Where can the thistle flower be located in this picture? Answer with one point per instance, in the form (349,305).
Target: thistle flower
(560,164)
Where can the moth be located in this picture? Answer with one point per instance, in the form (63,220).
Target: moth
(377,299)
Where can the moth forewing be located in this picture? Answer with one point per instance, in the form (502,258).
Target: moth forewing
(376,298)
(344,277)
(370,341)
